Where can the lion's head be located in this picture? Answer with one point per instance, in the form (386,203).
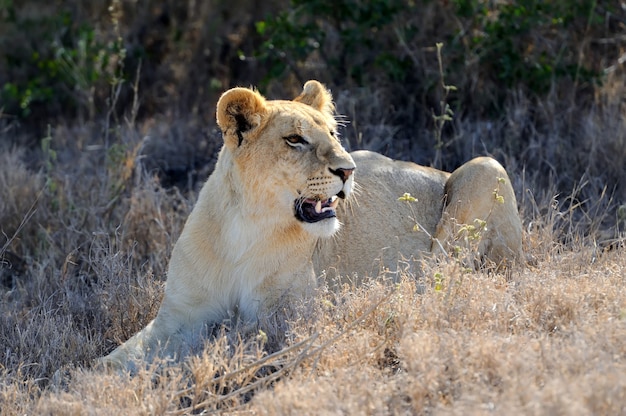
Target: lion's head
(287,155)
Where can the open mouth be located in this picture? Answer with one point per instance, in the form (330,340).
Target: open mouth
(314,210)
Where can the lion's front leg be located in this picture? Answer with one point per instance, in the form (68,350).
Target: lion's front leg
(177,329)
(162,337)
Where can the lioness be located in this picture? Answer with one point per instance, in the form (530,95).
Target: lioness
(267,221)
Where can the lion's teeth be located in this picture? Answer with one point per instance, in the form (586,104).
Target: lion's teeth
(334,202)
(318,207)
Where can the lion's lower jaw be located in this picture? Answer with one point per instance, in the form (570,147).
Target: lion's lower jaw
(322,229)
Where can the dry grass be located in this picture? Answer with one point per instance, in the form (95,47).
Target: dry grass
(548,340)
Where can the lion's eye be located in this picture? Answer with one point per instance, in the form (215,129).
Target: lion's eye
(296,141)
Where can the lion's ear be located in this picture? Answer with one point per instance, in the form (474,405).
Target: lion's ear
(238,111)
(317,96)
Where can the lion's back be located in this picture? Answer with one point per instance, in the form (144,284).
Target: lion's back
(379,230)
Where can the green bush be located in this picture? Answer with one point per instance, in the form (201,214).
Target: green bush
(345,37)
(530,43)
(62,60)
(54,63)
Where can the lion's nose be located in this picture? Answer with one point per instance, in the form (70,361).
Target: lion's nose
(343,173)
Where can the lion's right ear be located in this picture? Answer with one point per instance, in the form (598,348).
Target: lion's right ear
(315,94)
(239,110)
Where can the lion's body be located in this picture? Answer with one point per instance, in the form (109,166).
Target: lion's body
(264,226)
(379,231)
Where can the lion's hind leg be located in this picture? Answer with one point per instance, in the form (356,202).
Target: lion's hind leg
(480,214)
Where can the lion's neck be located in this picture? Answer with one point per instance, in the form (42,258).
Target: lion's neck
(229,260)
(221,215)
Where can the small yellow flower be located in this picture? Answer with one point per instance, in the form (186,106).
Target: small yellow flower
(262,336)
(407,197)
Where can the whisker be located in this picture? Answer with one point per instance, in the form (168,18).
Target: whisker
(341,120)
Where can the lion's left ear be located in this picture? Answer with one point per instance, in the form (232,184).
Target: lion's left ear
(239,110)
(317,96)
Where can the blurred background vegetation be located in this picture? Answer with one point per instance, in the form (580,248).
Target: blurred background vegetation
(537,84)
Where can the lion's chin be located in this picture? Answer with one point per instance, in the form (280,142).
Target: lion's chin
(322,229)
